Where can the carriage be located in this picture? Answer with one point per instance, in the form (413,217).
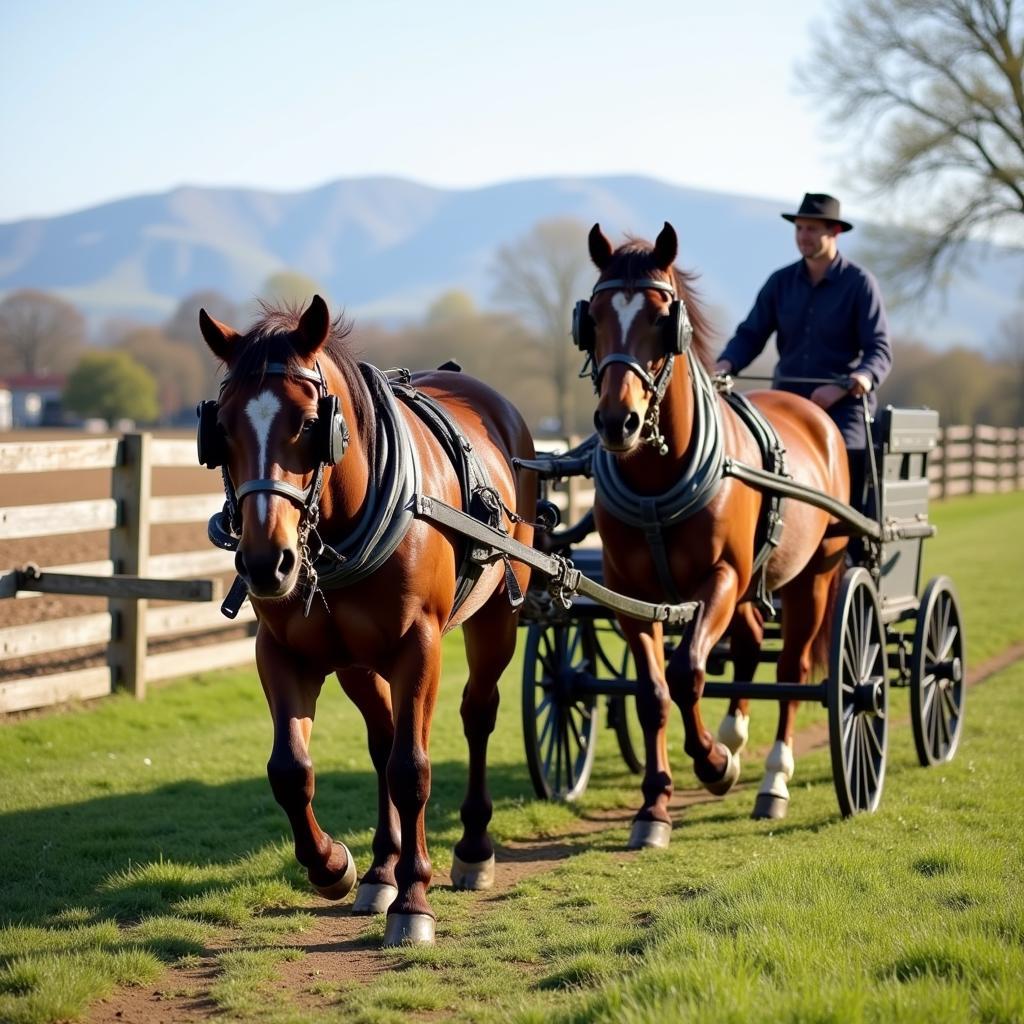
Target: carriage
(382,509)
(886,633)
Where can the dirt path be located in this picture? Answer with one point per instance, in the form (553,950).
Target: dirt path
(334,950)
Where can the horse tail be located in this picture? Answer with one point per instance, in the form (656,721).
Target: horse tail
(822,642)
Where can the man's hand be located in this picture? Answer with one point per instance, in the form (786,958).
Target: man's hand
(827,395)
(723,366)
(860,384)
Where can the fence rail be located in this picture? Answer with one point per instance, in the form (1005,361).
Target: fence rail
(968,460)
(128,626)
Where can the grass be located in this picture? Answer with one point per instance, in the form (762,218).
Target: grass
(138,836)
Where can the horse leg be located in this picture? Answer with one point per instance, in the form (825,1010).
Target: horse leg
(652,824)
(414,678)
(805,602)
(745,637)
(372,696)
(490,639)
(291,695)
(714,764)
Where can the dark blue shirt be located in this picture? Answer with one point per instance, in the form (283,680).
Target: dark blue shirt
(833,328)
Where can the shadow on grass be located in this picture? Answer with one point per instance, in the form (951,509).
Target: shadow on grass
(137,854)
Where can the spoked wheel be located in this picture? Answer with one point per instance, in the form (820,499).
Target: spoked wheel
(858,695)
(938,676)
(559,722)
(615,661)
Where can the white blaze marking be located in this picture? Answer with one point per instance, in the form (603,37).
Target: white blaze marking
(261,411)
(627,310)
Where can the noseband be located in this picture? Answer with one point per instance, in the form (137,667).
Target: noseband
(677,335)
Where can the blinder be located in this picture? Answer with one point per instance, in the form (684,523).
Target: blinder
(332,432)
(676,329)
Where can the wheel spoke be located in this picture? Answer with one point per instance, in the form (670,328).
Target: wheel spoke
(945,732)
(875,743)
(849,719)
(580,741)
(853,766)
(546,727)
(933,726)
(570,764)
(849,663)
(870,740)
(947,643)
(951,704)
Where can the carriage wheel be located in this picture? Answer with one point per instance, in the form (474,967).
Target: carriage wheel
(938,677)
(858,695)
(615,661)
(559,723)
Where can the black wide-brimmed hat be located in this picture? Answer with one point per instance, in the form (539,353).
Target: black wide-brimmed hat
(818,206)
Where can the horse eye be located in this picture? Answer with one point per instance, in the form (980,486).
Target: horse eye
(308,426)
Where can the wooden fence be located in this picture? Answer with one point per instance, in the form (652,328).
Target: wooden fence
(129,624)
(969,460)
(977,460)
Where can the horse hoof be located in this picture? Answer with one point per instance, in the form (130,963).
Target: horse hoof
(409,930)
(769,806)
(374,898)
(729,779)
(649,834)
(472,876)
(343,886)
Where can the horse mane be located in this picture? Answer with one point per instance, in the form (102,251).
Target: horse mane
(635,259)
(269,340)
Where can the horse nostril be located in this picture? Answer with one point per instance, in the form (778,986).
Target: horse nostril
(631,424)
(286,564)
(598,420)
(240,564)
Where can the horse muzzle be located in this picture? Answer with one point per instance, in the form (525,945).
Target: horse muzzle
(270,573)
(619,431)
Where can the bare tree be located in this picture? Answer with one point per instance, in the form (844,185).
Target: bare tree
(540,277)
(930,96)
(39,333)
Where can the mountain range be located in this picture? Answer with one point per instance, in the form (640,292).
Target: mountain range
(385,248)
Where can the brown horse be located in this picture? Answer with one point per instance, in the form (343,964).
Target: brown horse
(297,478)
(661,424)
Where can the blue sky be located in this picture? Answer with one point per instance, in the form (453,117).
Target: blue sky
(108,98)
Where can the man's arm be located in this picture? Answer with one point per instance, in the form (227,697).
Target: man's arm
(752,335)
(873,335)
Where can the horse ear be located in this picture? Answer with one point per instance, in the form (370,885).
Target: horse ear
(218,336)
(666,247)
(600,247)
(314,326)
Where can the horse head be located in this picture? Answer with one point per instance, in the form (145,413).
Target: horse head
(277,429)
(633,326)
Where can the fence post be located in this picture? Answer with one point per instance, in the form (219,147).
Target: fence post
(940,463)
(129,551)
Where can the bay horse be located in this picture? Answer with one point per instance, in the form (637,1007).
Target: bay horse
(320,459)
(675,526)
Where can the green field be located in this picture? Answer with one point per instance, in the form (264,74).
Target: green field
(137,838)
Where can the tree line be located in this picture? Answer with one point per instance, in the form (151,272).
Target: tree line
(155,374)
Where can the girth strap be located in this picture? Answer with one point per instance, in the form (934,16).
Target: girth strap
(770,523)
(479,499)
